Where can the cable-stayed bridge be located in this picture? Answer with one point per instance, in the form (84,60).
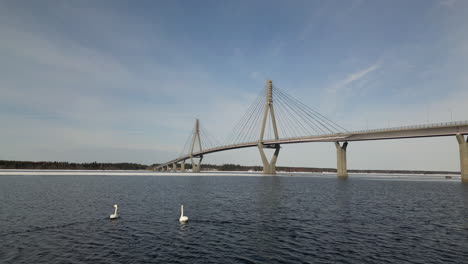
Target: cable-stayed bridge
(276,118)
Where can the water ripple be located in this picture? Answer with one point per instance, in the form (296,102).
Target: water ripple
(233,220)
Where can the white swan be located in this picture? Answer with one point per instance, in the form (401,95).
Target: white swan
(183,218)
(114,215)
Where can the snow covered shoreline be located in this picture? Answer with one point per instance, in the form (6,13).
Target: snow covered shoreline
(119,173)
(23,172)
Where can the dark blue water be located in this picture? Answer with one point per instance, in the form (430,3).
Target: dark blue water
(64,219)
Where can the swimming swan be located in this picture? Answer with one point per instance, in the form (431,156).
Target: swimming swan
(114,215)
(183,218)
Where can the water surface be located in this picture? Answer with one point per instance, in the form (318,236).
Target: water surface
(253,219)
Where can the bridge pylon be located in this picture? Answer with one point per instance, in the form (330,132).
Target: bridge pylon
(196,166)
(269,167)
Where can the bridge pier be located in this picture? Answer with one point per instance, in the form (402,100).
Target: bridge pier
(174,167)
(341,167)
(463,147)
(269,167)
(182,166)
(196,167)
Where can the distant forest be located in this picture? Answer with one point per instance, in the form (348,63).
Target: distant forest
(55,165)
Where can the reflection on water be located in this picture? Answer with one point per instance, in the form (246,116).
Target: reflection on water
(464,191)
(64,219)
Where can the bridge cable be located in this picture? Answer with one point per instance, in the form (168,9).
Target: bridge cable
(186,148)
(284,127)
(300,112)
(293,114)
(305,107)
(249,128)
(313,126)
(239,127)
(289,116)
(310,121)
(298,109)
(246,130)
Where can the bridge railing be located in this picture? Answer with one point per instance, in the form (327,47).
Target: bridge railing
(421,126)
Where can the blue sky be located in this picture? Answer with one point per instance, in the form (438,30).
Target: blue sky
(119,81)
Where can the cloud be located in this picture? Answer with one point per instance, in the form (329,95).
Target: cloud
(447,3)
(69,94)
(334,98)
(46,53)
(353,77)
(325,14)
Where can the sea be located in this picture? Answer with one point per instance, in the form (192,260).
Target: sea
(63,217)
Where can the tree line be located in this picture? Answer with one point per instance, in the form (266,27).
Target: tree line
(58,165)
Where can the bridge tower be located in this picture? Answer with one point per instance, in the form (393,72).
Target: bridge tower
(269,167)
(196,167)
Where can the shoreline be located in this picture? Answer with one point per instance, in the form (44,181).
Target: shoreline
(49,172)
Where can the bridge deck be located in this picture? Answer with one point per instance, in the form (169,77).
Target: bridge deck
(432,130)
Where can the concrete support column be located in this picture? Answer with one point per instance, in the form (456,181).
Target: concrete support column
(163,168)
(269,167)
(196,167)
(174,167)
(463,146)
(182,166)
(342,170)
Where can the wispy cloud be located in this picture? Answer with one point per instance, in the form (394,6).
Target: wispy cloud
(353,77)
(54,84)
(447,3)
(326,13)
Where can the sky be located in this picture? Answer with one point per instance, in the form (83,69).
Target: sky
(124,81)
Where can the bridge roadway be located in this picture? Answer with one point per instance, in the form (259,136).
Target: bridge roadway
(430,130)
